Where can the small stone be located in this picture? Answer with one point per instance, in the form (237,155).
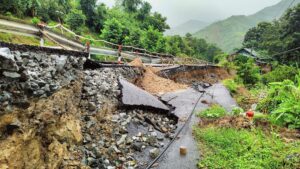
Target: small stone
(91,161)
(92,106)
(111,167)
(122,139)
(12,75)
(154,153)
(160,138)
(137,146)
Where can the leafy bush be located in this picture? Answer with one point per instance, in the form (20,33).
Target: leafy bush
(76,20)
(249,72)
(237,111)
(241,148)
(283,103)
(35,20)
(231,85)
(213,112)
(280,73)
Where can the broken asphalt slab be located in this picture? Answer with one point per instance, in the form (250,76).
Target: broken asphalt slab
(134,96)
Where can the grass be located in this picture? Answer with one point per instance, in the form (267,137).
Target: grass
(104,58)
(230,148)
(215,111)
(19,39)
(231,85)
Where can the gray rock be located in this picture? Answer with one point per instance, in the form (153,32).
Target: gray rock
(92,106)
(122,139)
(60,62)
(154,153)
(12,75)
(7,61)
(137,146)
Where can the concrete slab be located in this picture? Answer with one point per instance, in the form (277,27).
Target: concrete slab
(134,96)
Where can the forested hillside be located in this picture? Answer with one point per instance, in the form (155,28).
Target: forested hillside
(229,33)
(273,39)
(130,22)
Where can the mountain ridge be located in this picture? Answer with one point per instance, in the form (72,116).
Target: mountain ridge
(229,33)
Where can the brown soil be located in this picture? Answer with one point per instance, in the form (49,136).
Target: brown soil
(137,62)
(244,98)
(45,135)
(209,75)
(157,85)
(153,83)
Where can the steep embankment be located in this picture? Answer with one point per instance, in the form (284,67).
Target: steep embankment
(56,114)
(229,33)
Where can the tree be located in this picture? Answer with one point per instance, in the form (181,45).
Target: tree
(76,20)
(114,31)
(100,17)
(144,12)
(152,39)
(88,7)
(157,21)
(131,6)
(249,72)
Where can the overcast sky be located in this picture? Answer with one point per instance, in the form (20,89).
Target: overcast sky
(180,11)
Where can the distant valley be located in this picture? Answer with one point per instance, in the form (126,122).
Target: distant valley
(191,26)
(228,34)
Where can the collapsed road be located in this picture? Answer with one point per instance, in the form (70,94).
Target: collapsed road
(57,112)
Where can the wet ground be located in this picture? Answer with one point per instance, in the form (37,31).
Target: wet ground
(185,102)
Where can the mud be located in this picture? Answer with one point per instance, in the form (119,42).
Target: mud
(193,74)
(44,135)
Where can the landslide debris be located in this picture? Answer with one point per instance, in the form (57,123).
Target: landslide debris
(54,115)
(153,83)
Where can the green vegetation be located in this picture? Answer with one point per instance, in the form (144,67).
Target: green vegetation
(283,103)
(280,73)
(276,37)
(129,22)
(228,34)
(104,58)
(242,148)
(11,38)
(231,85)
(215,111)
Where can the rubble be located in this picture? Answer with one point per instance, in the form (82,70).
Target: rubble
(55,114)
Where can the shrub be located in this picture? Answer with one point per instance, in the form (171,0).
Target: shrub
(280,73)
(76,20)
(231,85)
(249,72)
(237,111)
(213,112)
(35,20)
(283,103)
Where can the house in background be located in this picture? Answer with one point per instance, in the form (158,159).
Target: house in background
(265,66)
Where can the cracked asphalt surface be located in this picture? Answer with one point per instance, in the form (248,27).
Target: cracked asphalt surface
(184,101)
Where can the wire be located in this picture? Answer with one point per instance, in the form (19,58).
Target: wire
(177,134)
(285,52)
(279,15)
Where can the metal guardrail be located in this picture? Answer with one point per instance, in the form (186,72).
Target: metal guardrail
(70,44)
